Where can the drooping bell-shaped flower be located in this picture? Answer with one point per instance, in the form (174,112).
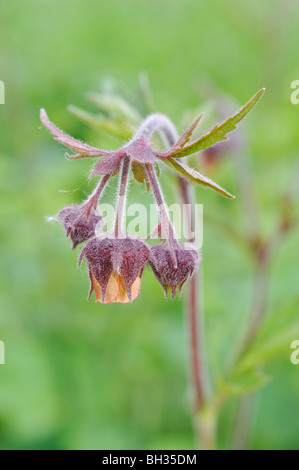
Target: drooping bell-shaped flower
(115,268)
(173,277)
(78,225)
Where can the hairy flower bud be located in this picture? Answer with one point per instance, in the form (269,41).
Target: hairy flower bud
(169,276)
(79,226)
(115,268)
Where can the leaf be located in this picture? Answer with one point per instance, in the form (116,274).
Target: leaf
(139,173)
(217,133)
(118,129)
(186,136)
(83,150)
(244,383)
(273,340)
(115,106)
(195,177)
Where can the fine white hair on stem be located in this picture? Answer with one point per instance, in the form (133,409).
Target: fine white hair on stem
(157,123)
(122,197)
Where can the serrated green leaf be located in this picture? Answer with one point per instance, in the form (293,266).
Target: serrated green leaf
(186,136)
(195,177)
(218,132)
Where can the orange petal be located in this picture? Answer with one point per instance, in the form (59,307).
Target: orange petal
(116,289)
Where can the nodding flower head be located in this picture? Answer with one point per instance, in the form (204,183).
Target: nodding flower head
(116,262)
(173,277)
(115,268)
(78,224)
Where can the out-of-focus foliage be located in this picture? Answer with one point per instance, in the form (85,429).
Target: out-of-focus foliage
(82,375)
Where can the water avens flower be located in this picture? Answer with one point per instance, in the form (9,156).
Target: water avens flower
(115,268)
(116,262)
(172,276)
(78,225)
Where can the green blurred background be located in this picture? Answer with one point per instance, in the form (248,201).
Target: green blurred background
(81,375)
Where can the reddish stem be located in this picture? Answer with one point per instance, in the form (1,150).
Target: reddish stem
(204,424)
(166,225)
(93,200)
(121,203)
(194,314)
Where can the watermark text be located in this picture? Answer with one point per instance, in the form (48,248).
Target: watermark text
(2,353)
(2,92)
(147,223)
(295,354)
(295,93)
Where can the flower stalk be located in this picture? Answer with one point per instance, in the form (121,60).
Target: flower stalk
(116,262)
(94,198)
(122,198)
(167,229)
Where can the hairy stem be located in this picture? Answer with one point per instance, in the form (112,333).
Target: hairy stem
(168,231)
(94,198)
(157,122)
(194,312)
(204,418)
(122,196)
